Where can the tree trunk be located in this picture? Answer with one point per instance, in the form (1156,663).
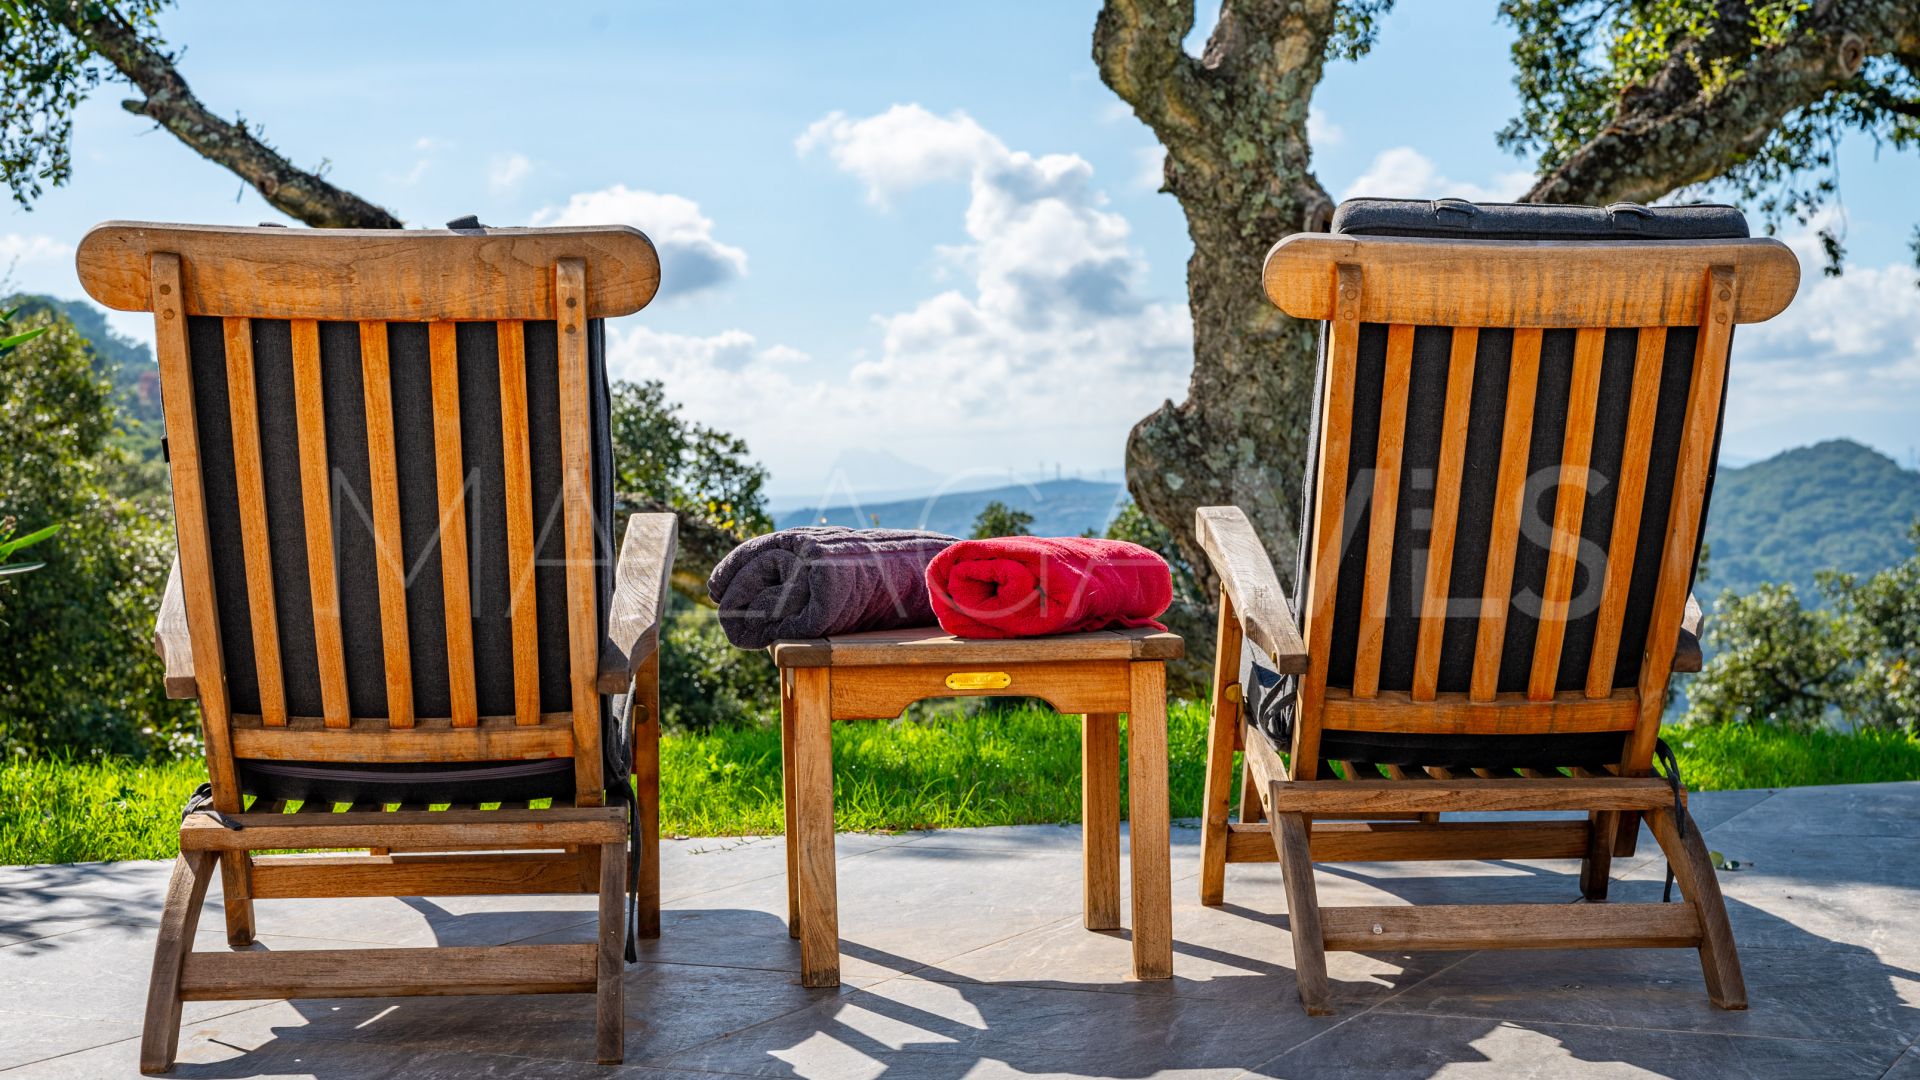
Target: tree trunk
(1234,124)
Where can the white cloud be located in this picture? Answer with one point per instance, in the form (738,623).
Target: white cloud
(1042,348)
(19,248)
(690,258)
(1322,131)
(902,148)
(1153,167)
(1406,173)
(507,170)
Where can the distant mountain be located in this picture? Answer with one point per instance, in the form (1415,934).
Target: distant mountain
(1059,508)
(1835,505)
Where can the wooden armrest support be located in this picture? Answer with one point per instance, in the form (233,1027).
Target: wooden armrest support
(640,584)
(1246,574)
(171,641)
(1686,650)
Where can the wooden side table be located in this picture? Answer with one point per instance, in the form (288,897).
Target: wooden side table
(877,675)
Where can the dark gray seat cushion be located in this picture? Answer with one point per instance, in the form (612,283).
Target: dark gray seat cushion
(1270,695)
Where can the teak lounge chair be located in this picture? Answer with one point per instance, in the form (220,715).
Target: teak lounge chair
(1516,424)
(390,458)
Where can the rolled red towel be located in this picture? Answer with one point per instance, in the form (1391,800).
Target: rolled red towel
(1026,586)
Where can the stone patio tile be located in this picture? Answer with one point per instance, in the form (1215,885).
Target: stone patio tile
(1806,891)
(254,1043)
(44,900)
(901,908)
(80,989)
(1822,994)
(1382,1046)
(669,1008)
(913,1028)
(1907,1068)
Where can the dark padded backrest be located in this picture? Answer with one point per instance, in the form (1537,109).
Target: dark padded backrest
(1455,219)
(343,398)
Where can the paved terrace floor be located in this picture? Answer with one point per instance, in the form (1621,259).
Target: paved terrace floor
(964,957)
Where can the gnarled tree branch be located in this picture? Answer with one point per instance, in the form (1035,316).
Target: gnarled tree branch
(171,104)
(1679,128)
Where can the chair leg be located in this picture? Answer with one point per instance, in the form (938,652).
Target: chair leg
(791,805)
(1290,840)
(1100,819)
(1149,822)
(1223,732)
(236,895)
(813,822)
(179,919)
(1693,869)
(610,988)
(1596,870)
(646,775)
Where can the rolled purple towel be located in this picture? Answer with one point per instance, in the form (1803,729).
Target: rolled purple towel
(818,580)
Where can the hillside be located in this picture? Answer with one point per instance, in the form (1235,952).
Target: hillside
(127,363)
(1834,505)
(1059,508)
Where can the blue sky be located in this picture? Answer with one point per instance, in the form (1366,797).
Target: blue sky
(904,244)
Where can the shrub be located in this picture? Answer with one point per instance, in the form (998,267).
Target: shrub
(78,672)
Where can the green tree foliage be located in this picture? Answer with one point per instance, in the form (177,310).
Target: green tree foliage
(1879,633)
(77,669)
(1190,616)
(704,681)
(45,74)
(999,519)
(1777,661)
(664,459)
(1633,98)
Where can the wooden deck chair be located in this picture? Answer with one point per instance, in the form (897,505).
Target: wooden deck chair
(391,470)
(1517,418)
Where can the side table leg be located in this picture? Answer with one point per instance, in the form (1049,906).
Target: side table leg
(1100,817)
(1150,824)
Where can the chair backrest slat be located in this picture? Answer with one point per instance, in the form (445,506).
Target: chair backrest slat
(516,458)
(1510,489)
(243,404)
(1568,458)
(1385,481)
(450,472)
(389,549)
(164,297)
(1638,448)
(1448,481)
(1330,495)
(569,306)
(316,496)
(1698,441)
(1569,506)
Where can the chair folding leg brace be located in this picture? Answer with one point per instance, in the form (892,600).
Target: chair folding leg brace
(560,850)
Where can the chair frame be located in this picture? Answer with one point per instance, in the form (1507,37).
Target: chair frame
(871,676)
(373,277)
(1297,810)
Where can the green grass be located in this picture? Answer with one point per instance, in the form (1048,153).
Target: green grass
(1723,757)
(1000,767)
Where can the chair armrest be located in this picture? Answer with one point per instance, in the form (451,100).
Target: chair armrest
(640,584)
(171,640)
(1245,572)
(1686,649)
